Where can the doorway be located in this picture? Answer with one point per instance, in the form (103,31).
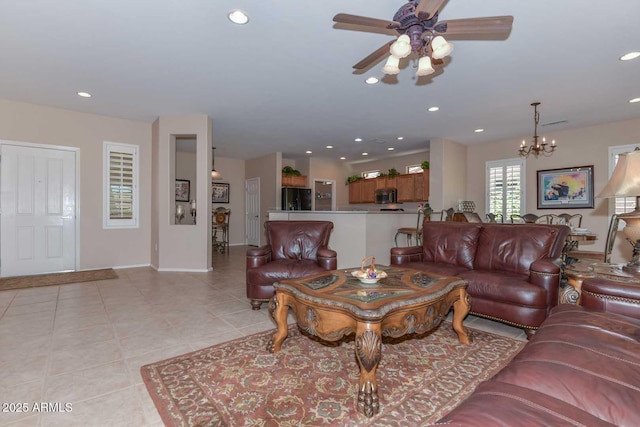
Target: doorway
(324,195)
(252,216)
(38,199)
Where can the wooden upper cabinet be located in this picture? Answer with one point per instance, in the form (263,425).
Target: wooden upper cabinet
(406,187)
(355,191)
(385,182)
(368,194)
(294,181)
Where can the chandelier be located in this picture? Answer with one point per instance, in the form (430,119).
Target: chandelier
(537,147)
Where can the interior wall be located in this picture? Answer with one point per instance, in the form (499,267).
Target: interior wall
(233,172)
(98,248)
(269,169)
(576,147)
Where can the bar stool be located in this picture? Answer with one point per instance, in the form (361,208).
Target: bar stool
(409,232)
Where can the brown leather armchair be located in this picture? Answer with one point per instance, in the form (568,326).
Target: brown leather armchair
(294,249)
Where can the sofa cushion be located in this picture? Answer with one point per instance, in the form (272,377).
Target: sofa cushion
(297,239)
(582,367)
(510,288)
(282,269)
(514,247)
(437,268)
(450,243)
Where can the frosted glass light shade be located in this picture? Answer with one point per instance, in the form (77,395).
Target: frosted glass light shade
(440,47)
(424,67)
(391,67)
(401,48)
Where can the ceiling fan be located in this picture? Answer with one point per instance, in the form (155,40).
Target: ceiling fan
(422,34)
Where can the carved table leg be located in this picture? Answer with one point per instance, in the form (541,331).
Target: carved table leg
(279,313)
(368,346)
(460,310)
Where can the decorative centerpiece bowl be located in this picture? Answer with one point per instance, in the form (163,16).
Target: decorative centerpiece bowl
(369,274)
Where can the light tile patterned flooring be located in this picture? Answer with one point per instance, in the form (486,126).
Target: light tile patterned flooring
(84,343)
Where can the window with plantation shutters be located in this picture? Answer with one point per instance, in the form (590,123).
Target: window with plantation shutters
(121,185)
(505,187)
(621,204)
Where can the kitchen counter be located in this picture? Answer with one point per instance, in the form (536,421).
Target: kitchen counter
(358,234)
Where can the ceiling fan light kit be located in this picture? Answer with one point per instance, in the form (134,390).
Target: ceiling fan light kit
(391,67)
(424,67)
(421,34)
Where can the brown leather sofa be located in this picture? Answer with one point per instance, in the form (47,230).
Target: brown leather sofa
(582,368)
(513,270)
(294,249)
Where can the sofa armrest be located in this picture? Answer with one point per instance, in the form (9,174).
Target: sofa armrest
(258,256)
(404,255)
(611,296)
(546,274)
(327,258)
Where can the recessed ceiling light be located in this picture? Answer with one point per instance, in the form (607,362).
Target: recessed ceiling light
(329,146)
(365,154)
(432,109)
(400,138)
(84,94)
(390,149)
(343,158)
(358,140)
(371,80)
(634,100)
(629,56)
(238,17)
(309,152)
(479,130)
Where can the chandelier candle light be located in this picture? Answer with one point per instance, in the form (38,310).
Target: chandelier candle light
(537,147)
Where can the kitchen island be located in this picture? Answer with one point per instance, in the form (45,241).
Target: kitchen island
(357,234)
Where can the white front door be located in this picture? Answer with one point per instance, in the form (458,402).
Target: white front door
(252,203)
(38,199)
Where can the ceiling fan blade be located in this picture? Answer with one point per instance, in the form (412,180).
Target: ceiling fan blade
(345,18)
(374,57)
(427,8)
(486,25)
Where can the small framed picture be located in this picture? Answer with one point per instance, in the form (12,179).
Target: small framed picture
(565,188)
(220,192)
(182,190)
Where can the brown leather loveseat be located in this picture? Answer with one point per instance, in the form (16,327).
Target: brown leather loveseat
(294,249)
(582,368)
(513,270)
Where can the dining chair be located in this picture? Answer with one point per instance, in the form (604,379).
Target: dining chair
(447,214)
(602,256)
(410,232)
(491,217)
(572,220)
(220,222)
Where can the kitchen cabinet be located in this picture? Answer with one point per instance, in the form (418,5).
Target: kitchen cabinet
(294,181)
(412,187)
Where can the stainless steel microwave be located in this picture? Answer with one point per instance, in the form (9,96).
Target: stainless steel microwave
(385,196)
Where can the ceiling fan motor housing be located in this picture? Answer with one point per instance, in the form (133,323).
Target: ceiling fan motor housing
(412,26)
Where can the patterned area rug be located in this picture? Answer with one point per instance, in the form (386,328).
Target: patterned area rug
(20,282)
(314,383)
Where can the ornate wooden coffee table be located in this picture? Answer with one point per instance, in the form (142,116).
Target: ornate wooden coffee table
(334,304)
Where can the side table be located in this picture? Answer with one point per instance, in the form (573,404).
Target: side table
(580,271)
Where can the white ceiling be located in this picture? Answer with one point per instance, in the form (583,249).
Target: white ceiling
(284,82)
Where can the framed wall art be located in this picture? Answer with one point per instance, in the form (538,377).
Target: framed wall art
(565,188)
(182,190)
(220,192)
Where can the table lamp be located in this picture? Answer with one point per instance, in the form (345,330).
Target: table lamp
(625,182)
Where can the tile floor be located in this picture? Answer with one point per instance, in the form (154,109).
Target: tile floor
(83,344)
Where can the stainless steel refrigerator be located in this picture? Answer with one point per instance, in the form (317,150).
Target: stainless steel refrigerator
(296,199)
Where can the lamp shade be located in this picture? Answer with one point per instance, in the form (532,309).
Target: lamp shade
(401,48)
(424,67)
(391,67)
(440,47)
(625,179)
